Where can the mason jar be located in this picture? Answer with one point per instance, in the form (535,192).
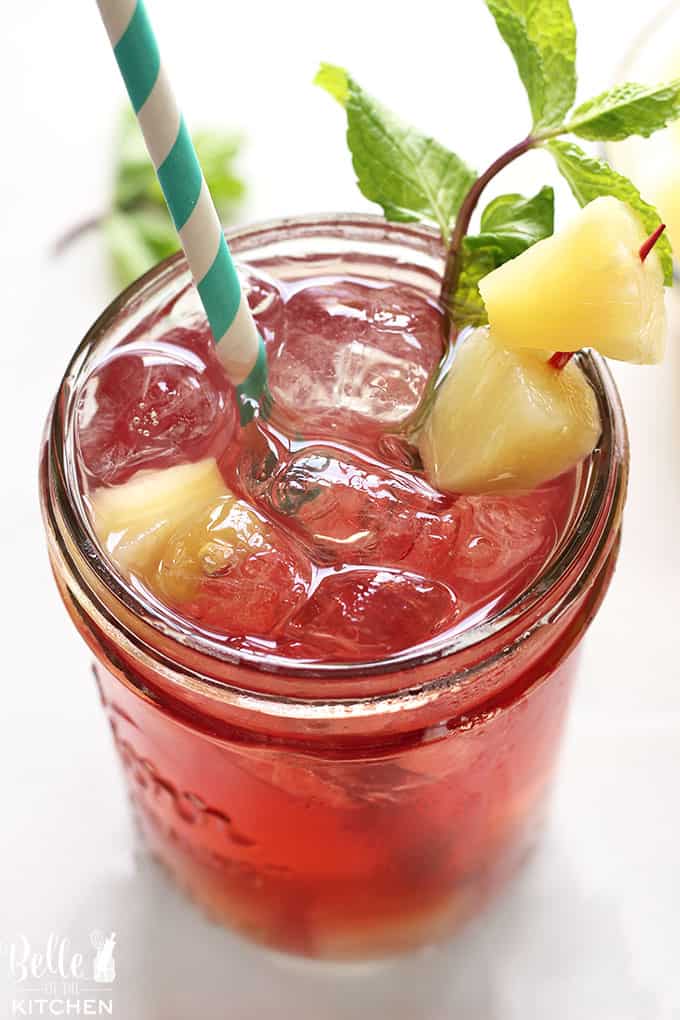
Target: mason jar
(339,810)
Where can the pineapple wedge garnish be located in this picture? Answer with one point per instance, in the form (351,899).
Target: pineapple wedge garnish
(216,539)
(133,521)
(177,527)
(585,286)
(506,420)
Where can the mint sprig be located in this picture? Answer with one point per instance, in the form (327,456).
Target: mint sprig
(413,177)
(625,110)
(410,175)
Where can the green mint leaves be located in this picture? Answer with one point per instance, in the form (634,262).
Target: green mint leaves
(411,176)
(509,225)
(513,223)
(542,38)
(626,110)
(335,80)
(589,178)
(138,229)
(414,177)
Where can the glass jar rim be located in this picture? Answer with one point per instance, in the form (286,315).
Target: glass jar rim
(598,514)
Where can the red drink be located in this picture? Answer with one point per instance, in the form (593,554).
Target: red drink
(339,743)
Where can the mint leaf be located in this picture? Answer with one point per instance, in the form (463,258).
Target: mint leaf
(629,109)
(509,225)
(542,38)
(334,80)
(409,174)
(513,223)
(589,178)
(467,308)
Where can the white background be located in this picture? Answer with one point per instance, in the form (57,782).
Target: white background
(591,931)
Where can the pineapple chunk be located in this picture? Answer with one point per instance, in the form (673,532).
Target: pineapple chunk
(212,542)
(134,520)
(506,420)
(584,286)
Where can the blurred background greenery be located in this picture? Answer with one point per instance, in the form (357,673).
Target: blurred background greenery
(137,228)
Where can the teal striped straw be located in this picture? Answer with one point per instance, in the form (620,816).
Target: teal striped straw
(239,345)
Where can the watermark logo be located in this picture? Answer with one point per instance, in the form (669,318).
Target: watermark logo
(104,967)
(56,979)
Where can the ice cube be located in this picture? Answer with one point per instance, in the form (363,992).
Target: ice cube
(251,463)
(365,613)
(348,351)
(255,598)
(265,300)
(151,408)
(348,510)
(485,546)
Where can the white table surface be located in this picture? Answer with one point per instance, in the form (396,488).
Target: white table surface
(591,930)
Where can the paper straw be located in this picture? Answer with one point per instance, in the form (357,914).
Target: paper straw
(239,345)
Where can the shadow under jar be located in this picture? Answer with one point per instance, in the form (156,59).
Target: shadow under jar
(345,809)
